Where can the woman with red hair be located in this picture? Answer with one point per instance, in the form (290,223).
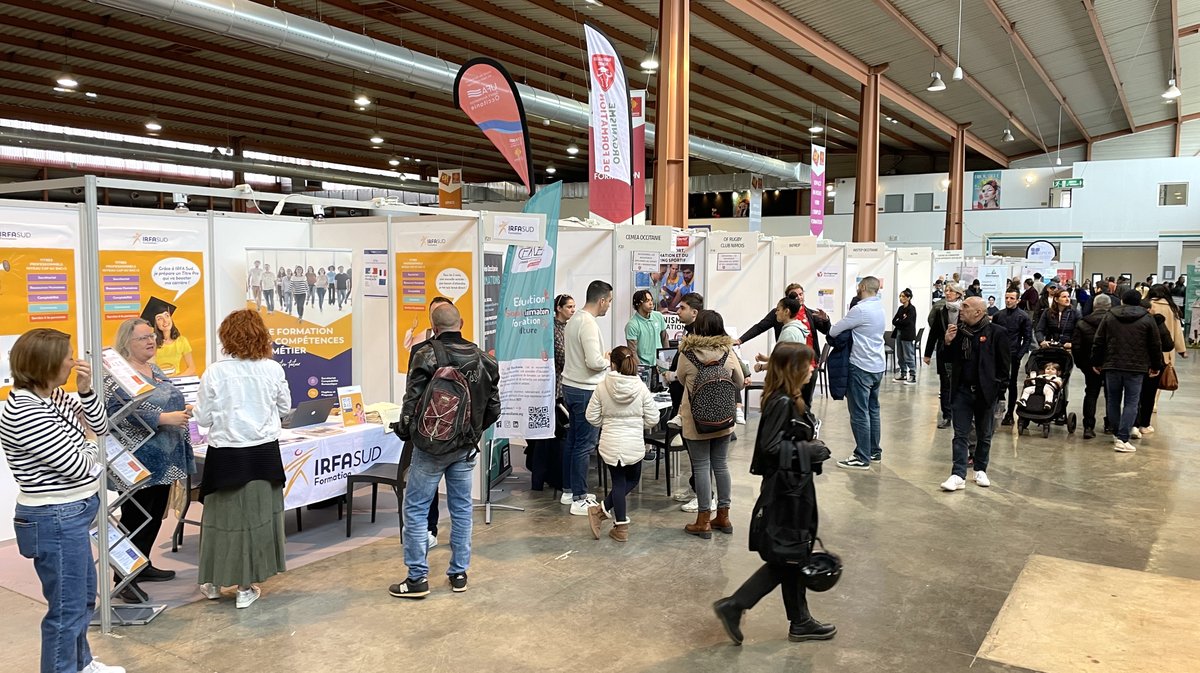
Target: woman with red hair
(241,400)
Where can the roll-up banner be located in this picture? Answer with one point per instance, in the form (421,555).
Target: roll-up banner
(157,275)
(610,144)
(434,269)
(306,303)
(816,203)
(756,196)
(484,90)
(525,334)
(450,188)
(37,286)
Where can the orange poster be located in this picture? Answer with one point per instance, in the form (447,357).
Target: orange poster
(37,289)
(419,278)
(164,288)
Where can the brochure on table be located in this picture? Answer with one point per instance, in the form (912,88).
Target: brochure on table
(123,556)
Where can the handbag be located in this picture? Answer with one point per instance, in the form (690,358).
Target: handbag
(1167,380)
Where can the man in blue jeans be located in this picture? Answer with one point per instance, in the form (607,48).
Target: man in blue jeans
(1127,348)
(865,322)
(453,457)
(586,362)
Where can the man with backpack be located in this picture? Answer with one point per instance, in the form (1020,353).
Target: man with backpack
(452,396)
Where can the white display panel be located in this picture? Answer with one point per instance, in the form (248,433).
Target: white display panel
(585,254)
(882,267)
(822,276)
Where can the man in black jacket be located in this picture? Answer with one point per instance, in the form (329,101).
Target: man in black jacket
(1127,348)
(942,315)
(1020,336)
(816,322)
(978,352)
(482,376)
(1082,342)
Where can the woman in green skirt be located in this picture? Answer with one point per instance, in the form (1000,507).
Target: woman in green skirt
(241,400)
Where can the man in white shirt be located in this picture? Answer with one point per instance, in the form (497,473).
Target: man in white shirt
(868,363)
(586,363)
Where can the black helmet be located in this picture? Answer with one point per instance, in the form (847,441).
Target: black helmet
(822,571)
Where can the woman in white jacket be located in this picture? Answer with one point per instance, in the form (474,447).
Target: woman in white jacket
(622,407)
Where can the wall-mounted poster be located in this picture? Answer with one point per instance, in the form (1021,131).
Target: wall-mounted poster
(306,303)
(987,190)
(421,276)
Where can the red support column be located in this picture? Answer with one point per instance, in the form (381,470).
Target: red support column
(671,115)
(954,193)
(867,185)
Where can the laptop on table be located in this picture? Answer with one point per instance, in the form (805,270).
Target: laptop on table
(310,412)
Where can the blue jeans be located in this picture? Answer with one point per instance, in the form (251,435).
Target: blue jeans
(56,538)
(969,408)
(1117,385)
(906,356)
(581,441)
(423,476)
(862,396)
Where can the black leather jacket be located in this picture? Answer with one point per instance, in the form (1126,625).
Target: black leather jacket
(480,370)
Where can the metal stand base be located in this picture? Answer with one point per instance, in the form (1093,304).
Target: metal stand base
(132,615)
(488,507)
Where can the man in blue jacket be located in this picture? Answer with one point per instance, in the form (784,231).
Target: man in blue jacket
(867,365)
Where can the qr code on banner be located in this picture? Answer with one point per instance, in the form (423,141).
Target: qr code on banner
(539,418)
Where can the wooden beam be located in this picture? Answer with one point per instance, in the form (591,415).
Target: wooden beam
(1011,28)
(671,186)
(936,49)
(1188,31)
(779,20)
(1090,7)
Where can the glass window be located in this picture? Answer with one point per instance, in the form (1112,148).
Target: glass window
(923,203)
(1173,194)
(893,203)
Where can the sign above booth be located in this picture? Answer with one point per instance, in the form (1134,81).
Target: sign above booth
(913,254)
(514,228)
(866,249)
(802,246)
(947,255)
(645,239)
(1040,251)
(741,242)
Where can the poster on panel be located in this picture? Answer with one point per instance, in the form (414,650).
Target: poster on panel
(431,267)
(987,190)
(37,285)
(676,276)
(493,263)
(158,275)
(306,302)
(375,273)
(450,188)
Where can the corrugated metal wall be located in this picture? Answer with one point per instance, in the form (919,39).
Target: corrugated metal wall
(1152,144)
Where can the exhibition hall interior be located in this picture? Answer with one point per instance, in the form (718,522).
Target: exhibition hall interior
(532,335)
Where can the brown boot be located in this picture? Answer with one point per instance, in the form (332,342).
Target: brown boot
(619,532)
(721,521)
(701,527)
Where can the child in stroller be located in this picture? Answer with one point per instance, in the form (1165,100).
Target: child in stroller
(1040,391)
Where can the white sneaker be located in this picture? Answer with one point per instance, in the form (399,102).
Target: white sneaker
(97,667)
(431,542)
(1148,430)
(740,418)
(580,507)
(684,496)
(246,597)
(954,483)
(1123,447)
(211,591)
(981,479)
(1134,433)
(675,423)
(692,506)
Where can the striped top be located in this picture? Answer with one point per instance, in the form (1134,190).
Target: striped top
(299,285)
(47,450)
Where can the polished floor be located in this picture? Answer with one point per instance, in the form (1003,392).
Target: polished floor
(933,581)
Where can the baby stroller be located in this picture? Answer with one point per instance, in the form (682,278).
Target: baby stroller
(1040,413)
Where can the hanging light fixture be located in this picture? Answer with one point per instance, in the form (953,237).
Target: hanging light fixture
(551,169)
(152,124)
(650,60)
(958,71)
(1008,136)
(67,80)
(1172,91)
(361,100)
(936,84)
(572,149)
(816,126)
(376,139)
(394,161)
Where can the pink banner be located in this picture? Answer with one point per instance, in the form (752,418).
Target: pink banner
(484,90)
(610,147)
(816,212)
(637,111)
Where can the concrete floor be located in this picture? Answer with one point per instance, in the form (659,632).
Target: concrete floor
(927,573)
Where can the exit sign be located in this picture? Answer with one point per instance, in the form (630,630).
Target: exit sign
(1069,183)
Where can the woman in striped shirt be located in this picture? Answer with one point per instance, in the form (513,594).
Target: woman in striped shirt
(49,440)
(299,291)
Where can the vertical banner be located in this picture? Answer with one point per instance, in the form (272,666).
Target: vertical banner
(637,102)
(309,320)
(610,148)
(1192,306)
(756,196)
(421,276)
(525,333)
(375,273)
(157,275)
(501,455)
(816,199)
(484,90)
(987,190)
(450,188)
(993,281)
(37,286)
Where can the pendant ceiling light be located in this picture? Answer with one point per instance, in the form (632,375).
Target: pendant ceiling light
(1008,136)
(936,84)
(958,71)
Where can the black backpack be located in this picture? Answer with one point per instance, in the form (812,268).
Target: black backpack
(713,397)
(783,524)
(443,421)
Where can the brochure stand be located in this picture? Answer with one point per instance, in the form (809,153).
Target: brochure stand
(118,552)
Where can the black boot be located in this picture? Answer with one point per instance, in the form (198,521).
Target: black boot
(731,618)
(810,629)
(1008,420)
(152,574)
(1089,433)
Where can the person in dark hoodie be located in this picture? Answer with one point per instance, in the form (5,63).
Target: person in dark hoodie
(1020,335)
(1127,348)
(1083,340)
(905,322)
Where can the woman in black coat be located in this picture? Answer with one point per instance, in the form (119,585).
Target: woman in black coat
(783,414)
(905,335)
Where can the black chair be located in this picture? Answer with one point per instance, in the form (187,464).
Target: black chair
(822,370)
(754,385)
(889,350)
(388,474)
(917,351)
(660,438)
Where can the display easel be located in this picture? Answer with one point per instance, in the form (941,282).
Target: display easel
(485,484)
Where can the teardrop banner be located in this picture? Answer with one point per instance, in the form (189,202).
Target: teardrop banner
(484,90)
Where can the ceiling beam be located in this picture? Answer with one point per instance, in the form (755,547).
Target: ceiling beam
(1175,75)
(1090,7)
(777,19)
(1188,31)
(721,23)
(1011,28)
(1117,134)
(936,49)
